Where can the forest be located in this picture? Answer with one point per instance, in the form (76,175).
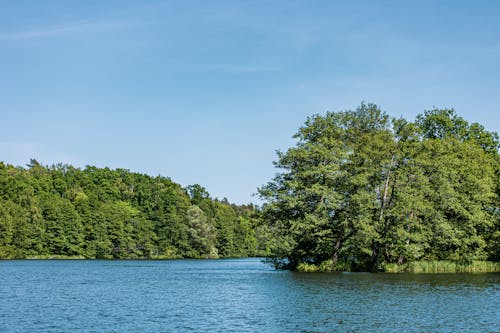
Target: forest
(360,191)
(364,191)
(61,211)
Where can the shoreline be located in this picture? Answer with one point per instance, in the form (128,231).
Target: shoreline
(417,267)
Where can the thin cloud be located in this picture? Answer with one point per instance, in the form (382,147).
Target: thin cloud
(73,28)
(237,69)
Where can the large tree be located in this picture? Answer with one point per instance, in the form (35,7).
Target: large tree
(360,189)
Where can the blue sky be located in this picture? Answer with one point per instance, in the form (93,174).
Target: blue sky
(206,91)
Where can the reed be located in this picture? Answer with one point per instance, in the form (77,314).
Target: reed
(325,266)
(444,266)
(56,257)
(417,267)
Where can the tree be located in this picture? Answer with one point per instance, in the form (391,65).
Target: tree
(201,233)
(325,196)
(360,190)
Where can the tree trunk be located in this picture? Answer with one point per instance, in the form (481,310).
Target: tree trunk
(375,254)
(340,243)
(401,257)
(375,247)
(335,256)
(386,190)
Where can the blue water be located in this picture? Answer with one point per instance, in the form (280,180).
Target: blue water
(240,295)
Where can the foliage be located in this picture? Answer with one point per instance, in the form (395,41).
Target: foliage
(66,212)
(361,190)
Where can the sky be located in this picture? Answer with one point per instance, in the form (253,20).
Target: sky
(205,92)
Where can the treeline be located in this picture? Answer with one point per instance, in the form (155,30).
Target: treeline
(63,211)
(363,191)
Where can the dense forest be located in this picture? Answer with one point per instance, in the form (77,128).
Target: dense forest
(363,191)
(63,211)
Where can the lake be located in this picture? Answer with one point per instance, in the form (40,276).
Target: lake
(237,295)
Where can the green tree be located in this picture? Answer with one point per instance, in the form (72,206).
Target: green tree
(360,190)
(329,190)
(201,233)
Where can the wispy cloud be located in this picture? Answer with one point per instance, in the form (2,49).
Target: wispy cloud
(67,29)
(494,49)
(238,69)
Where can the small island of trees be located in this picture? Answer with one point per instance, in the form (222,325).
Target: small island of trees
(366,192)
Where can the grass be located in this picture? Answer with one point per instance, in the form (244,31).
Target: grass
(417,267)
(55,256)
(325,266)
(444,266)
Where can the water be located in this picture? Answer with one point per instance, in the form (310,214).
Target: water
(241,295)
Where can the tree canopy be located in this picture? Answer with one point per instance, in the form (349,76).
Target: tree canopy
(361,189)
(101,213)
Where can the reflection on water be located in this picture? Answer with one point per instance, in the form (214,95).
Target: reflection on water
(240,295)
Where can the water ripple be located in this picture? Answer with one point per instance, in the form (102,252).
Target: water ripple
(240,295)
